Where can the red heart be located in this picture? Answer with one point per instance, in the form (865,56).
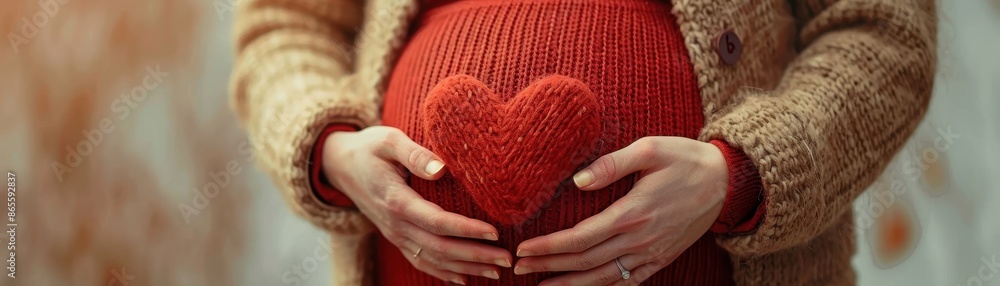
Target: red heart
(511,157)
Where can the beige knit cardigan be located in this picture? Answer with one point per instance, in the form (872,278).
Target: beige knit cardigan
(824,94)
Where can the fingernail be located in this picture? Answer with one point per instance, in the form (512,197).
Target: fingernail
(433,167)
(503,262)
(491,274)
(458,281)
(521,270)
(583,178)
(490,236)
(523,253)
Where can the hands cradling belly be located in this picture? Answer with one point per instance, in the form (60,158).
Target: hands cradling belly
(679,193)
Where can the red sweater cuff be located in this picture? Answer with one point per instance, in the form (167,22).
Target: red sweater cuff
(743,209)
(320,185)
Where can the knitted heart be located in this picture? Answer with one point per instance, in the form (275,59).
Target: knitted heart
(511,157)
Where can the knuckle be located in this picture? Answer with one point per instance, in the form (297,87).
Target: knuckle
(657,247)
(645,147)
(650,244)
(578,242)
(631,219)
(447,225)
(401,231)
(546,247)
(389,138)
(437,246)
(379,135)
(605,167)
(479,257)
(542,267)
(466,232)
(394,203)
(436,224)
(583,263)
(416,157)
(395,226)
(393,132)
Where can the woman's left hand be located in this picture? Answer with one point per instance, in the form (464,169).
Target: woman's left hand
(679,195)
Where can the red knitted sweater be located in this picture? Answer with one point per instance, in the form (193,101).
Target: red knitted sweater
(626,60)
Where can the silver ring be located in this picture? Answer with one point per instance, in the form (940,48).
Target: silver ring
(625,273)
(418,252)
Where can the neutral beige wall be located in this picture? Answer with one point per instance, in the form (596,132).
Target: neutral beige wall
(953,204)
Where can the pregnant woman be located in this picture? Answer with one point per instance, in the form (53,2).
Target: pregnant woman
(579,142)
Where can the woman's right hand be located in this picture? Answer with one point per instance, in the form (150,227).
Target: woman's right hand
(370,167)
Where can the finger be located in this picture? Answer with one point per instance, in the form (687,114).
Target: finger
(586,234)
(420,161)
(448,248)
(427,263)
(589,259)
(431,217)
(430,268)
(605,275)
(609,168)
(470,268)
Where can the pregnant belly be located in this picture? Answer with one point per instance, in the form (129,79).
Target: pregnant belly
(630,58)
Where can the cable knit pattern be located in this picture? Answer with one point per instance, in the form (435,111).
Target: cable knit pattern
(825,92)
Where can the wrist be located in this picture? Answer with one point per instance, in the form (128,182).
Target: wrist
(718,173)
(330,145)
(333,158)
(320,183)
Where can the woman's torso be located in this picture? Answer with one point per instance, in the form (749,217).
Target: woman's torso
(629,53)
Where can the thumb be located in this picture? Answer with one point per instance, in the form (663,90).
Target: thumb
(420,161)
(612,167)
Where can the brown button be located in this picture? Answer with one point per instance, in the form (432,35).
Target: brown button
(728,46)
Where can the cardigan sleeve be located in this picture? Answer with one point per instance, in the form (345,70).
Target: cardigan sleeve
(292,78)
(843,108)
(741,211)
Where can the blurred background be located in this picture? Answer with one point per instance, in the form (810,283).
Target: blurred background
(130,168)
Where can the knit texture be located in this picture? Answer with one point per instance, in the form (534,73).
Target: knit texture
(512,66)
(741,212)
(824,94)
(289,65)
(510,156)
